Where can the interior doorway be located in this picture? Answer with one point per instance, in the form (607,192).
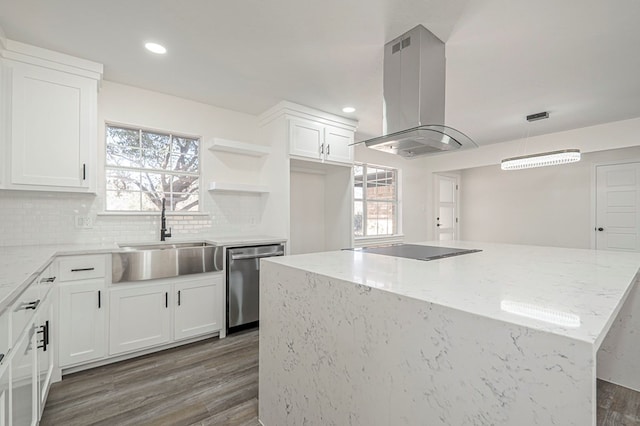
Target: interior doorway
(617,224)
(446,209)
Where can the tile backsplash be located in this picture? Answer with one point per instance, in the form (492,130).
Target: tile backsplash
(28,218)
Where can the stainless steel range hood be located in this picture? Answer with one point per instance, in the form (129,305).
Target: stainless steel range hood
(414,92)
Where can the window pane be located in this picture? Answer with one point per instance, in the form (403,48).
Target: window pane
(186,202)
(123,180)
(152,201)
(145,155)
(155,150)
(184,163)
(358,219)
(380,218)
(123,200)
(184,193)
(123,147)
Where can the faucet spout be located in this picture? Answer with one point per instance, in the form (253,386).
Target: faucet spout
(163,224)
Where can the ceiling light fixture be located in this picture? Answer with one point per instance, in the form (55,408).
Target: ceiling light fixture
(348,109)
(553,158)
(155,48)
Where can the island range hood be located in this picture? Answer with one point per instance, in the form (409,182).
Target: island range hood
(414,98)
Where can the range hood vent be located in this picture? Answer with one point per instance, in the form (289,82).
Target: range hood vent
(414,98)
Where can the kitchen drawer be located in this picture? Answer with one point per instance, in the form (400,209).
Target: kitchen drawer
(75,268)
(23,310)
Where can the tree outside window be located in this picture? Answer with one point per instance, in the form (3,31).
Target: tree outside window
(143,167)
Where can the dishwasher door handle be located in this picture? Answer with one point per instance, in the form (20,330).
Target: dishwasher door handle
(255,256)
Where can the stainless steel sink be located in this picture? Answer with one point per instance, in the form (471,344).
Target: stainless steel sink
(139,262)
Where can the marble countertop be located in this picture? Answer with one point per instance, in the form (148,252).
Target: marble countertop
(19,265)
(570,292)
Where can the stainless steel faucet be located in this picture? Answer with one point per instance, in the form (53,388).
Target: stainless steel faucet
(163,224)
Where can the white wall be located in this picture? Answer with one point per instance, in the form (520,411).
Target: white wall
(45,218)
(307,213)
(548,206)
(615,135)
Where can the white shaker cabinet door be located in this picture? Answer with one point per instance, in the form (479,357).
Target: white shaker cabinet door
(198,307)
(53,127)
(82,322)
(338,145)
(306,139)
(139,317)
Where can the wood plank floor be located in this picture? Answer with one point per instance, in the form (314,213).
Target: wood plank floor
(213,382)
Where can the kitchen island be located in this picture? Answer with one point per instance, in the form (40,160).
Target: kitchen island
(506,336)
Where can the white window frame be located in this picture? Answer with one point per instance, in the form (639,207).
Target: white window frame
(141,129)
(397,236)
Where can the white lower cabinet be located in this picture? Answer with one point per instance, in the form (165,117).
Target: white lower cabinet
(45,352)
(139,317)
(83,322)
(196,305)
(5,391)
(23,381)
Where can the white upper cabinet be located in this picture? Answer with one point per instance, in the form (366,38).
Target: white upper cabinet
(50,112)
(311,134)
(338,145)
(319,141)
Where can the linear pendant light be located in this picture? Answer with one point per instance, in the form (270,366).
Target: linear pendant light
(553,158)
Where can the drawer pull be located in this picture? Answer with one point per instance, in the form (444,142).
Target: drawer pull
(82,269)
(48,280)
(29,305)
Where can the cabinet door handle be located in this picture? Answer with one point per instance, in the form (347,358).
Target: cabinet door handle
(328,149)
(166,299)
(84,171)
(82,269)
(44,330)
(99,299)
(178,297)
(321,149)
(48,280)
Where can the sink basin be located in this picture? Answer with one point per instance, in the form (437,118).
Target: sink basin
(138,262)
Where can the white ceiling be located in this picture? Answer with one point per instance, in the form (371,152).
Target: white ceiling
(577,59)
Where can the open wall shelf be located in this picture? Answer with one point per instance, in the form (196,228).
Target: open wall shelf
(235,147)
(237,187)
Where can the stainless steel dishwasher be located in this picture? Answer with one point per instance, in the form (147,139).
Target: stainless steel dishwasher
(243,284)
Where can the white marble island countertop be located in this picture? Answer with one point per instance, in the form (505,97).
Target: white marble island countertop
(570,292)
(509,335)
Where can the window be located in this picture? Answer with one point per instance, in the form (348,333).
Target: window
(143,167)
(376,200)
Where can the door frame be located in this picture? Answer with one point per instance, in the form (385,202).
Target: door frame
(594,192)
(436,201)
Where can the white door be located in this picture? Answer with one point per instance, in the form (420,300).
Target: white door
(446,195)
(139,318)
(306,139)
(198,305)
(338,145)
(617,207)
(82,322)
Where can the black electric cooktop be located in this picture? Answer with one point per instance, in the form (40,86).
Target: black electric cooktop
(414,251)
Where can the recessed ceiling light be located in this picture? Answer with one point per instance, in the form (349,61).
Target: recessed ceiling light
(348,109)
(155,48)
